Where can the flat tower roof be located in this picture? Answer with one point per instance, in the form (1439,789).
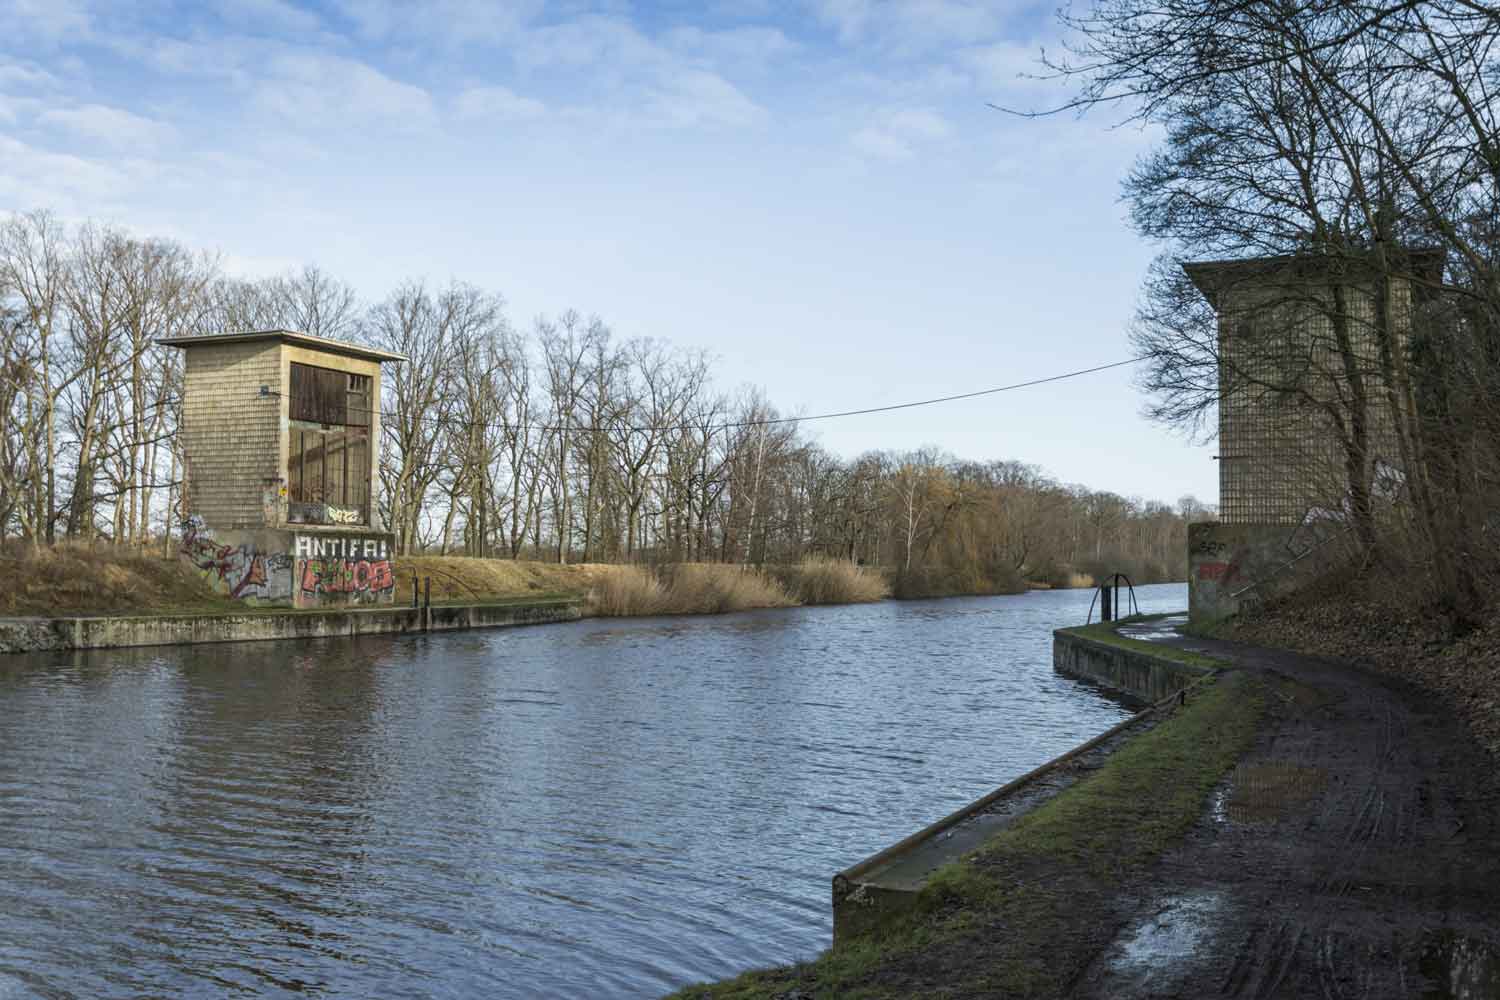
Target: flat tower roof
(327,344)
(1213,276)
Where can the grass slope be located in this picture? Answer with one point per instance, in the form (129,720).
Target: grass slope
(82,579)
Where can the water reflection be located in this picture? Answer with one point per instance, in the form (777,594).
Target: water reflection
(603,809)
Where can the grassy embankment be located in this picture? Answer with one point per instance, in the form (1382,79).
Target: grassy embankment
(79,579)
(82,579)
(1023,914)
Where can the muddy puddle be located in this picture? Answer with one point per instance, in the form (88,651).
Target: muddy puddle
(1165,946)
(1265,791)
(1155,630)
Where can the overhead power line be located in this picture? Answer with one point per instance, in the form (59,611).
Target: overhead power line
(762,422)
(771,421)
(942,399)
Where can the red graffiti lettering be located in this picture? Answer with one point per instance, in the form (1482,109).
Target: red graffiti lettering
(355,577)
(1212,571)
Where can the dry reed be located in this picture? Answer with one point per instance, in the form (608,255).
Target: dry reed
(623,591)
(683,589)
(822,580)
(713,588)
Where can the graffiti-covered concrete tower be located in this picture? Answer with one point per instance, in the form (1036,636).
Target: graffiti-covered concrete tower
(280,438)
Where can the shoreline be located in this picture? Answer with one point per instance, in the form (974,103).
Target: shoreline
(1148,874)
(21,634)
(997,898)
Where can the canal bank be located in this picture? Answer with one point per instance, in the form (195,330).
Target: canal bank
(1015,911)
(130,599)
(890,882)
(36,634)
(1349,800)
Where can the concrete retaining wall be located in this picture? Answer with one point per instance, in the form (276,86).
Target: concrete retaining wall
(1134,674)
(885,884)
(20,635)
(888,883)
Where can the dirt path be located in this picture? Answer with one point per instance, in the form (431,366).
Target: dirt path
(1354,852)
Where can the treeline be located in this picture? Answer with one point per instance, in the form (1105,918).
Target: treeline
(1360,141)
(562,442)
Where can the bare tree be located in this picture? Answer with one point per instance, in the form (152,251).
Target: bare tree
(416,403)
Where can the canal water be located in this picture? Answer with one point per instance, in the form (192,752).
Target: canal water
(608,808)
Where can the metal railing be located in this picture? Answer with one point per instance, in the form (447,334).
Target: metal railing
(1106,594)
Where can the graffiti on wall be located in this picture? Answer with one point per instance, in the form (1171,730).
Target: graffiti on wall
(1205,544)
(351,569)
(1222,573)
(344,515)
(241,571)
(354,578)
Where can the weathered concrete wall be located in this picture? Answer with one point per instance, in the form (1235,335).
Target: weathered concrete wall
(310,567)
(1233,566)
(36,634)
(29,635)
(230,434)
(1136,674)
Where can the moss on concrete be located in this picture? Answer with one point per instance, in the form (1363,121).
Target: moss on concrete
(1025,913)
(1106,632)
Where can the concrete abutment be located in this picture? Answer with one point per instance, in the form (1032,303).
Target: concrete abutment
(886,884)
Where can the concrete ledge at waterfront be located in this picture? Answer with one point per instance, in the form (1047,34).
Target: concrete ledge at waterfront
(1127,667)
(23,635)
(885,884)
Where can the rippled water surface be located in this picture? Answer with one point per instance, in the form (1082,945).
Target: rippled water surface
(611,808)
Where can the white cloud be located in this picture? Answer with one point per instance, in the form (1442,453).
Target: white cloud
(751,47)
(175,57)
(919,123)
(25,75)
(895,134)
(597,42)
(881,144)
(114,126)
(1000,65)
(455,22)
(848,18)
(276,14)
(12,107)
(35,177)
(1011,74)
(635,78)
(698,97)
(313,89)
(304,85)
(498,103)
(914,24)
(49,19)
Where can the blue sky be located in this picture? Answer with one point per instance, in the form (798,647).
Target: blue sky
(815,193)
